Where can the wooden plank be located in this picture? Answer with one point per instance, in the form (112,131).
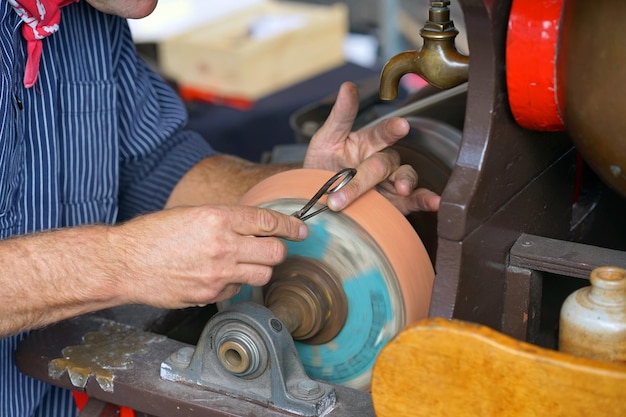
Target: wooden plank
(442,367)
(562,257)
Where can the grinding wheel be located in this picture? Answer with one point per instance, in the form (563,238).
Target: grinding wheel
(382,267)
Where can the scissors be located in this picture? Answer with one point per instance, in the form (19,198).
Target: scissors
(345,175)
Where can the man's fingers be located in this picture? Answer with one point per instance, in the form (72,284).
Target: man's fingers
(255,221)
(260,250)
(421,199)
(382,135)
(254,275)
(227,292)
(397,183)
(404,180)
(258,230)
(426,200)
(371,172)
(339,123)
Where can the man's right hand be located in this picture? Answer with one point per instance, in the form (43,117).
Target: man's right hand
(193,256)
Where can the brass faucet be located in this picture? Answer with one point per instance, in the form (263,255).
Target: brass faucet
(439,62)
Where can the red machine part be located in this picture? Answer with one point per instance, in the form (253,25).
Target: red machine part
(531,63)
(81,400)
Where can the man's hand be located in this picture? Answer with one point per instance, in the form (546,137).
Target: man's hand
(176,258)
(335,146)
(198,255)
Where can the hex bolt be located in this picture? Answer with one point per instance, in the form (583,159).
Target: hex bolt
(183,355)
(308,387)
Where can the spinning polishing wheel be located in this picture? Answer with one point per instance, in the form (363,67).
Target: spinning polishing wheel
(359,278)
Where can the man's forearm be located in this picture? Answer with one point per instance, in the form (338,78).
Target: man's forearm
(50,276)
(221,179)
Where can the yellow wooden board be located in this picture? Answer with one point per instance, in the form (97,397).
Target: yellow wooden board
(439,368)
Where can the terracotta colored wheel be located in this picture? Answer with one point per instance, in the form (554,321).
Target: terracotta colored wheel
(381,264)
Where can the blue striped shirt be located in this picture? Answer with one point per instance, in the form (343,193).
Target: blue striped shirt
(98,139)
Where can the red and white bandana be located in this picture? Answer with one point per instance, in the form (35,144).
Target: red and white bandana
(41,19)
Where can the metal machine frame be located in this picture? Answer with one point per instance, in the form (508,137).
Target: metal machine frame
(508,181)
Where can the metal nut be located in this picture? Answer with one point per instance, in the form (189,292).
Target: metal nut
(308,387)
(183,355)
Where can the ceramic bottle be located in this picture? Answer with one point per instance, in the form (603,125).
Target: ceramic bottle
(593,318)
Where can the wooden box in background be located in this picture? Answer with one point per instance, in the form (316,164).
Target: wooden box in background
(258,51)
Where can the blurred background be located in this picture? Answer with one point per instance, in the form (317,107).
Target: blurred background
(225,81)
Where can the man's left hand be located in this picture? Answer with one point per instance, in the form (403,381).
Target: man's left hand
(335,146)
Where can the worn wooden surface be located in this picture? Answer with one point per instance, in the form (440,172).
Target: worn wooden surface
(441,367)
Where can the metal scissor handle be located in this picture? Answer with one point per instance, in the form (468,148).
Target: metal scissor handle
(345,175)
